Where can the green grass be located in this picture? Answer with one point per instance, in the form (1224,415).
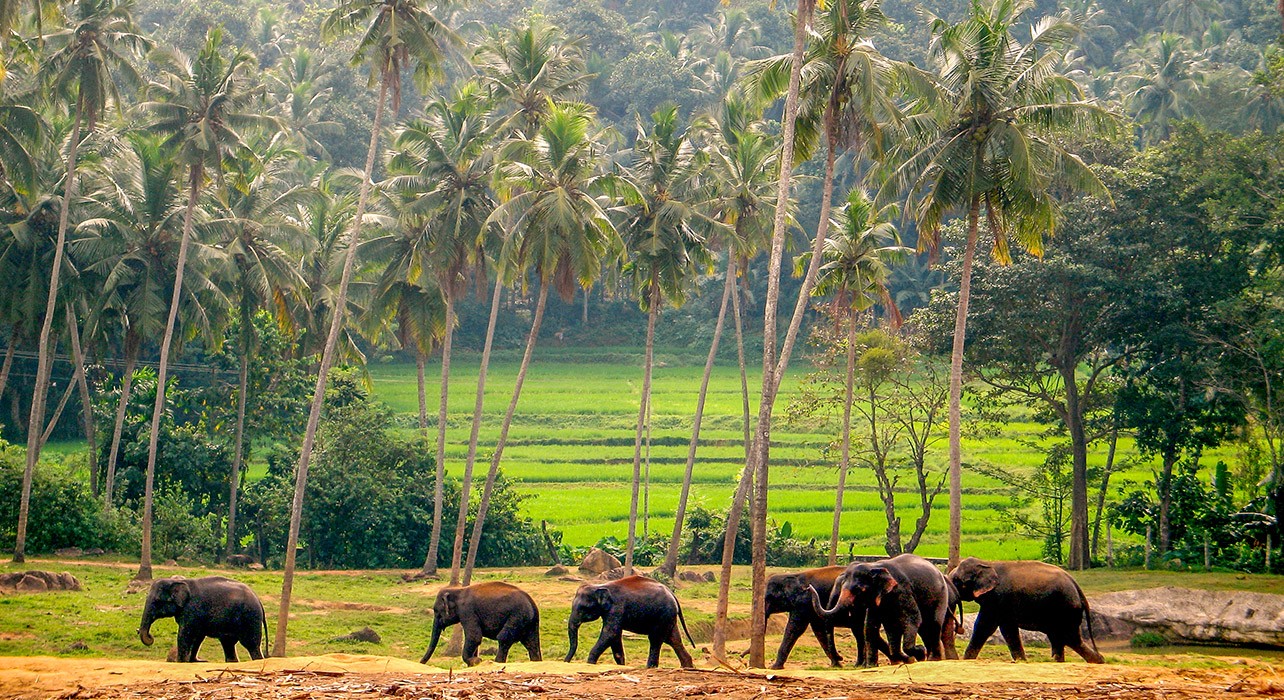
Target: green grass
(571,451)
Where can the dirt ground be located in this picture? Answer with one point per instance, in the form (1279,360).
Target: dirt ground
(343,676)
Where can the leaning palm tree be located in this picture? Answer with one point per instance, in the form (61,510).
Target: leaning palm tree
(201,107)
(444,163)
(101,44)
(560,229)
(527,69)
(253,220)
(991,146)
(400,35)
(663,233)
(855,268)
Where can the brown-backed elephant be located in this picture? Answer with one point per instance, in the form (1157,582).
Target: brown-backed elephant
(212,606)
(489,610)
(632,604)
(791,593)
(906,596)
(1025,595)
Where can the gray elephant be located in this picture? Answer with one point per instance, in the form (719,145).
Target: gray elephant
(632,604)
(791,593)
(906,596)
(1025,595)
(212,606)
(490,610)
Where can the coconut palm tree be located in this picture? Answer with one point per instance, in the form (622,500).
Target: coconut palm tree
(325,218)
(445,164)
(300,85)
(257,233)
(527,70)
(201,106)
(399,35)
(1158,86)
(663,230)
(855,269)
(101,44)
(554,207)
(990,146)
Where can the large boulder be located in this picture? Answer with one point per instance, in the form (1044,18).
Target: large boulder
(36,581)
(598,562)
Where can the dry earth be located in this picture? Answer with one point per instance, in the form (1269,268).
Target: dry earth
(342,676)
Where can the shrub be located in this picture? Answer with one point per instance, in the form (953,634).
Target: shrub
(63,511)
(1147,640)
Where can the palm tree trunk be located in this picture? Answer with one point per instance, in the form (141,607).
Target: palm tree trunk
(57,413)
(45,348)
(671,556)
(327,361)
(132,346)
(652,312)
(86,403)
(8,359)
(474,541)
(434,541)
(464,488)
(1079,539)
(845,460)
(162,373)
(736,510)
(242,391)
(1105,484)
(956,385)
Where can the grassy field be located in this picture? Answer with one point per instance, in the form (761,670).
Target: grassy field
(571,451)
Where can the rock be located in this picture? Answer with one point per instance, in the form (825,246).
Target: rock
(170,562)
(618,572)
(31,584)
(558,570)
(572,579)
(255,567)
(240,561)
(172,656)
(69,552)
(1186,616)
(710,577)
(365,634)
(597,562)
(94,552)
(79,645)
(690,576)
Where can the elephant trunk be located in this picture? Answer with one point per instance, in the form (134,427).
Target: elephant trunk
(437,627)
(145,629)
(845,600)
(573,633)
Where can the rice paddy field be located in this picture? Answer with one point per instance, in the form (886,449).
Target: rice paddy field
(570,450)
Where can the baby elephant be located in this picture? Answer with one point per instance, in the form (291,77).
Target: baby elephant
(1025,595)
(207,607)
(634,604)
(491,610)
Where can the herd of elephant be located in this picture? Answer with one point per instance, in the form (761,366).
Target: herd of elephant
(906,598)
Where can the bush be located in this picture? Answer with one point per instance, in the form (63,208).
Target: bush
(63,511)
(702,542)
(1147,640)
(178,533)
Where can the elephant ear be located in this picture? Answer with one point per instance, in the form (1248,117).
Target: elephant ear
(602,596)
(884,583)
(985,580)
(447,599)
(180,593)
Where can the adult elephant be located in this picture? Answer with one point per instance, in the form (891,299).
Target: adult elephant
(212,606)
(1025,595)
(632,604)
(792,594)
(489,610)
(906,596)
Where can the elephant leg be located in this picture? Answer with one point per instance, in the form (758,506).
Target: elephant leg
(825,635)
(610,636)
(910,648)
(189,645)
(1089,654)
(872,640)
(948,632)
(229,649)
(508,635)
(983,628)
(655,640)
(1058,647)
(1012,635)
(531,642)
(472,642)
(617,650)
(793,630)
(862,652)
(930,631)
(675,641)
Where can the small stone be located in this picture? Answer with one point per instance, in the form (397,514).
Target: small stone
(365,634)
(170,562)
(240,561)
(69,552)
(558,570)
(690,576)
(255,567)
(79,645)
(709,577)
(617,573)
(94,552)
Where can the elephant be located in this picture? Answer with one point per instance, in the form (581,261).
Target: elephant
(491,610)
(906,596)
(953,622)
(212,606)
(634,604)
(791,593)
(1030,595)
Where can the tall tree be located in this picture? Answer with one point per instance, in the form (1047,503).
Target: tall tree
(855,268)
(554,207)
(101,44)
(1165,74)
(400,35)
(991,143)
(445,164)
(663,234)
(202,107)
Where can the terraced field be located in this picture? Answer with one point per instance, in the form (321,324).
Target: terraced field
(571,450)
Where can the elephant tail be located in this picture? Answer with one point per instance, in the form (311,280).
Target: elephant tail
(265,631)
(958,624)
(682,618)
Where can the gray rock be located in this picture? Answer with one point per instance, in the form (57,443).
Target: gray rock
(692,576)
(558,570)
(365,634)
(31,584)
(618,572)
(69,552)
(1184,615)
(240,561)
(598,561)
(94,552)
